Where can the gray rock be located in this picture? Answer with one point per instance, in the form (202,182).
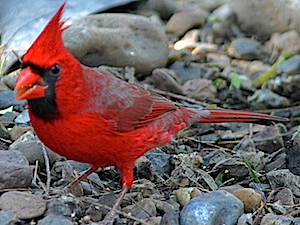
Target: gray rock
(32,150)
(285,85)
(118,40)
(23,205)
(143,168)
(288,42)
(8,218)
(10,80)
(297,221)
(166,80)
(266,98)
(216,207)
(268,140)
(55,219)
(208,4)
(58,167)
(284,178)
(8,117)
(160,161)
(244,48)
(188,71)
(183,175)
(200,89)
(3,86)
(57,207)
(276,219)
(144,187)
(267,16)
(278,163)
(23,117)
(143,209)
(245,219)
(170,218)
(181,22)
(285,196)
(166,206)
(293,155)
(8,98)
(17,132)
(225,20)
(109,200)
(4,133)
(165,8)
(19,29)
(14,170)
(290,66)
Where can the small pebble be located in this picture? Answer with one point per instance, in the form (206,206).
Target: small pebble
(288,42)
(269,99)
(244,48)
(290,66)
(276,220)
(181,22)
(55,219)
(245,219)
(170,218)
(216,207)
(160,161)
(23,117)
(8,218)
(23,205)
(285,196)
(284,178)
(14,170)
(250,198)
(184,195)
(143,209)
(8,98)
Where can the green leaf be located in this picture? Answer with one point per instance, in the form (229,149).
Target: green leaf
(296,133)
(213,19)
(270,72)
(252,171)
(9,109)
(218,82)
(235,82)
(220,176)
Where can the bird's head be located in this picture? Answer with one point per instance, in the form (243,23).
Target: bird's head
(46,65)
(42,61)
(50,75)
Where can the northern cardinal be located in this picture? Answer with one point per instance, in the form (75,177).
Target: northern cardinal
(93,117)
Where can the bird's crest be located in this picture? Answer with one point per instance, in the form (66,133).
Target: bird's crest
(49,45)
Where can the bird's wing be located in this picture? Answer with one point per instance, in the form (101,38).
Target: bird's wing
(125,105)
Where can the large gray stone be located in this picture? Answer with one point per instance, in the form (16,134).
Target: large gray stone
(118,40)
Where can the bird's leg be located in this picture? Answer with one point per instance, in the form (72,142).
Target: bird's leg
(111,215)
(79,179)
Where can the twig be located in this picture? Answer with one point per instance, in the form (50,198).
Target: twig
(6,141)
(47,164)
(259,211)
(278,110)
(118,211)
(35,170)
(181,97)
(226,182)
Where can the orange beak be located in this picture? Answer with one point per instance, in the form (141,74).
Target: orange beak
(30,85)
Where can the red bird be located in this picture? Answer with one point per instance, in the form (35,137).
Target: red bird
(93,117)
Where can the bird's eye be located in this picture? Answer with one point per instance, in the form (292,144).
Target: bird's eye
(55,70)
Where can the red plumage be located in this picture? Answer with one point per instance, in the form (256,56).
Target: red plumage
(99,119)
